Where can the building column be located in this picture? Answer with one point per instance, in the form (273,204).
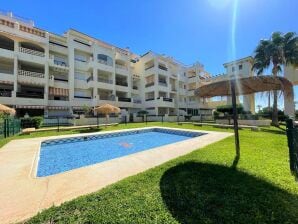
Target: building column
(15,69)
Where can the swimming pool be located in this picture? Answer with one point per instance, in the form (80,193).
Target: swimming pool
(65,154)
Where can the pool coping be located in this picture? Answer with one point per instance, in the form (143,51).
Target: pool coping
(19,159)
(34,169)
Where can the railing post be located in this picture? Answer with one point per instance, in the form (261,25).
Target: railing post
(13,127)
(4,128)
(97,120)
(58,124)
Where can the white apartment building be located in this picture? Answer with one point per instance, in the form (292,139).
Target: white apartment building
(42,73)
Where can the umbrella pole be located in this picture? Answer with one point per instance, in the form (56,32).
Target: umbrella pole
(235,118)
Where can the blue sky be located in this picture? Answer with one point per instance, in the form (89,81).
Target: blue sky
(188,30)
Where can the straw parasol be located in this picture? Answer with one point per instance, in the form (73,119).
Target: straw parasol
(244,86)
(107,109)
(233,86)
(7,110)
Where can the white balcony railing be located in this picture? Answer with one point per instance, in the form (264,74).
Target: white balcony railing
(31,74)
(32,52)
(121,67)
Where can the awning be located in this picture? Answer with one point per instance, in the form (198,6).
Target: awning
(78,107)
(57,108)
(30,107)
(58,91)
(6,82)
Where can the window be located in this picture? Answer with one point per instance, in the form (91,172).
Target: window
(233,69)
(240,67)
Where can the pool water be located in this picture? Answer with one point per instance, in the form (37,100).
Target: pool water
(57,156)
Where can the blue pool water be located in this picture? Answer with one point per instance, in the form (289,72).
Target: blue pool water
(57,156)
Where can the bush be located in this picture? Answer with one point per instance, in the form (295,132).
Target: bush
(228,109)
(31,122)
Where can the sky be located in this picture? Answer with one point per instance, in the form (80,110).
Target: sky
(209,31)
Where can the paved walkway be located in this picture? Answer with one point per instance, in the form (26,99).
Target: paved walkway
(22,195)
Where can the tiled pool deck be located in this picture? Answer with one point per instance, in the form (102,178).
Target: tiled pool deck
(22,195)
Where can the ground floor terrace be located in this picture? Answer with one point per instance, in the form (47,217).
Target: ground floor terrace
(206,185)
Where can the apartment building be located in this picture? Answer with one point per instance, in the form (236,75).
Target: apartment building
(42,73)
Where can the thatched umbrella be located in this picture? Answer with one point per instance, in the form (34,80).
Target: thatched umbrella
(107,109)
(7,110)
(233,86)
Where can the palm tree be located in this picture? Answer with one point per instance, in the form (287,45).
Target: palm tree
(276,52)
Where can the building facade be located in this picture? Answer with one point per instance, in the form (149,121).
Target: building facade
(42,73)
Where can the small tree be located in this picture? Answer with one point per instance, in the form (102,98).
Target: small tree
(86,110)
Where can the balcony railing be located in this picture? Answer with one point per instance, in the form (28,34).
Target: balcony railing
(135,87)
(83,97)
(104,62)
(165,99)
(60,80)
(162,67)
(32,52)
(124,99)
(31,74)
(149,99)
(162,83)
(121,67)
(151,66)
(120,83)
(149,84)
(106,98)
(138,101)
(99,79)
(5,93)
(30,95)
(60,63)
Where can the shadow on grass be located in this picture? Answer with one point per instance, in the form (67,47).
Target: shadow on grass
(207,193)
(278,132)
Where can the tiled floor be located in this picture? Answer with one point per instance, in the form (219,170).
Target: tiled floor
(22,195)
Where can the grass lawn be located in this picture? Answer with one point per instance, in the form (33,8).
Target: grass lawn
(201,187)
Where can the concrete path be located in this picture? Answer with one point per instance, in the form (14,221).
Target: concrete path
(23,195)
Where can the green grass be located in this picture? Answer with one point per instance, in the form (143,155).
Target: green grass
(201,187)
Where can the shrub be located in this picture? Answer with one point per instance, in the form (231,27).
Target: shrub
(31,122)
(229,109)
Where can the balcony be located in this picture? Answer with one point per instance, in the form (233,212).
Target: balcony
(5,93)
(83,97)
(32,52)
(162,67)
(105,80)
(162,83)
(121,83)
(121,67)
(124,99)
(30,95)
(30,74)
(149,84)
(149,67)
(165,99)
